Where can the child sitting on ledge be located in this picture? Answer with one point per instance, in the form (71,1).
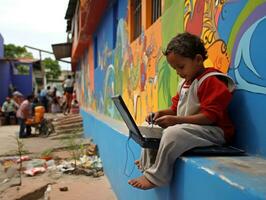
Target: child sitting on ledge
(198,116)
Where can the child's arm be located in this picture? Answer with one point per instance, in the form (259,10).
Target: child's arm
(159,114)
(214,98)
(170,120)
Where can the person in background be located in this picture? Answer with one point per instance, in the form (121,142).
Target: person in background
(9,109)
(18,98)
(24,112)
(44,97)
(35,103)
(68,86)
(55,106)
(75,107)
(54,93)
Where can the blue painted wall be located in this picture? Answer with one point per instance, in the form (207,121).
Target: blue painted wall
(23,83)
(5,79)
(194,177)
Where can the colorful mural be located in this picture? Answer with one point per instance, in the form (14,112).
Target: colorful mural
(139,71)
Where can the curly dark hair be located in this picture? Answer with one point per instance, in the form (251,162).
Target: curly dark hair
(187,45)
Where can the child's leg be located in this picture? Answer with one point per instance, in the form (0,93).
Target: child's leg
(175,141)
(148,156)
(147,159)
(22,127)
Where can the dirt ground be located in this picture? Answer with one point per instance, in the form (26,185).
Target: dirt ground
(50,184)
(78,187)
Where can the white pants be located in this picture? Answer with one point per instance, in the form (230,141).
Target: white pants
(157,165)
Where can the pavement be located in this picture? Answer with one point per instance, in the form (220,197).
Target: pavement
(78,186)
(33,145)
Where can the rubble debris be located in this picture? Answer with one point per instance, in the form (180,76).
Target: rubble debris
(47,192)
(87,163)
(36,163)
(91,150)
(23,158)
(63,189)
(34,171)
(98,174)
(65,166)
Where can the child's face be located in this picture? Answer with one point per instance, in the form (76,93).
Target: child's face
(185,67)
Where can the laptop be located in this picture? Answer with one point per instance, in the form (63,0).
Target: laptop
(150,136)
(145,136)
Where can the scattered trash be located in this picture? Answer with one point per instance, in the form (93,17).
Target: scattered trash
(98,174)
(7,164)
(65,166)
(50,164)
(36,163)
(23,158)
(91,150)
(34,171)
(46,158)
(88,164)
(11,172)
(63,189)
(5,181)
(9,158)
(89,172)
(91,162)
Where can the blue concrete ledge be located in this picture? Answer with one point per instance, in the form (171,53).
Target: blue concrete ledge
(216,178)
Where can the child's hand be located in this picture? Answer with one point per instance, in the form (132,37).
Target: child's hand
(166,120)
(152,117)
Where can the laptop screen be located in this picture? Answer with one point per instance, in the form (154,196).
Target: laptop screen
(128,119)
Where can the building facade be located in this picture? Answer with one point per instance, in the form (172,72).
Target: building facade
(117,49)
(15,73)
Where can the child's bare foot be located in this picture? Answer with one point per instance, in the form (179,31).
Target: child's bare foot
(138,164)
(142,183)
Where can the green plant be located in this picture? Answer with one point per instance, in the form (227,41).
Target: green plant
(20,150)
(74,145)
(47,152)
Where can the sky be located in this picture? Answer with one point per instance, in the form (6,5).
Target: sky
(35,23)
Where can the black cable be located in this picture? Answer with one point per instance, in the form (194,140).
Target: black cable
(128,147)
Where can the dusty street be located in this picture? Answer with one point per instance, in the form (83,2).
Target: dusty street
(50,184)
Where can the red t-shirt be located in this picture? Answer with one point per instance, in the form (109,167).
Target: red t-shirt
(214,98)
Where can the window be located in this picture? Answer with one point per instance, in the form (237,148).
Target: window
(95,41)
(21,69)
(115,22)
(156,10)
(136,17)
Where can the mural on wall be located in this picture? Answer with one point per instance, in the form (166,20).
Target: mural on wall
(139,71)
(201,18)
(246,36)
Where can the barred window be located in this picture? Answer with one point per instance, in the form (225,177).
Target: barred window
(156,10)
(136,16)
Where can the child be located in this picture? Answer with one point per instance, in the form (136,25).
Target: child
(198,114)
(75,107)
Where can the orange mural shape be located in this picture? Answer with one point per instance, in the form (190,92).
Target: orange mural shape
(218,57)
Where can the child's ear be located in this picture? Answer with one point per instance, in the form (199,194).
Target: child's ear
(199,59)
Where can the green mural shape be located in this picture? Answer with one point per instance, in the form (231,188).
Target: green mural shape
(168,4)
(168,79)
